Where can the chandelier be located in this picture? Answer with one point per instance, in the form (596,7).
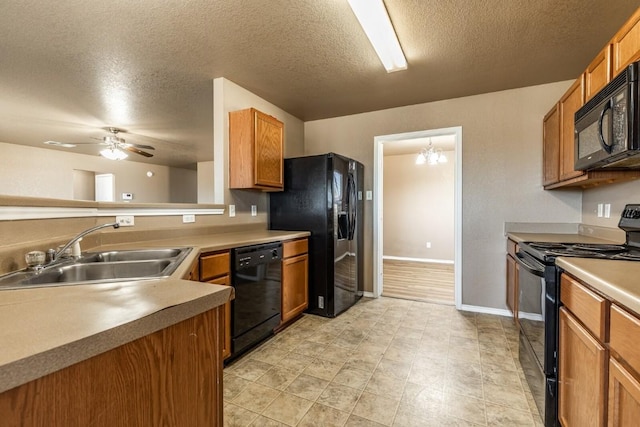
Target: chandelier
(430,155)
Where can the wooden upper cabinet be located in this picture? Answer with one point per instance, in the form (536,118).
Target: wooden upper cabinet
(569,104)
(626,44)
(256,151)
(551,146)
(598,73)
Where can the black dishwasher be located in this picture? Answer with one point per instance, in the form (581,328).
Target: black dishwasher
(257,282)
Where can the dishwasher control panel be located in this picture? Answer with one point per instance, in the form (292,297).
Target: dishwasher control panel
(250,256)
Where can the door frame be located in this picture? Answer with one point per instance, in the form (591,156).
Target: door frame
(378,175)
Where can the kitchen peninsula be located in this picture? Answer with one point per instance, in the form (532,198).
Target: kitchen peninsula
(145,352)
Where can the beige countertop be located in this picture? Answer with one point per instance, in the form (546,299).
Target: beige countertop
(618,280)
(555,238)
(47,329)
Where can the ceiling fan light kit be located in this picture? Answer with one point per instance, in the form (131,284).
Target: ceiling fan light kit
(116,146)
(113,154)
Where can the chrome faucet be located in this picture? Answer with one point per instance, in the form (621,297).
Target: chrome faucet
(53,255)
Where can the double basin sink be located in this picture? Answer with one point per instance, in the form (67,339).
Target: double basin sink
(99,267)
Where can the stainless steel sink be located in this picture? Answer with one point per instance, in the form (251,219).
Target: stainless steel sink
(100,267)
(135,255)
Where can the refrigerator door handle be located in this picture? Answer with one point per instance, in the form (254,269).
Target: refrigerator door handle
(351,205)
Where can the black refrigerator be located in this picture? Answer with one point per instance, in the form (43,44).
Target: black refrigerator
(323,194)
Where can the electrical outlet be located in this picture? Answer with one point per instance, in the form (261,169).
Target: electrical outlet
(428,245)
(254,210)
(125,220)
(127,196)
(369,195)
(600,210)
(607,210)
(232,210)
(188,218)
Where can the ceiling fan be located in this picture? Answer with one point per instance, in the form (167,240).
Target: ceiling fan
(116,146)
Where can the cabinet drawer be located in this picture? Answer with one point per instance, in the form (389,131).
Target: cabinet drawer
(213,265)
(586,305)
(295,247)
(624,336)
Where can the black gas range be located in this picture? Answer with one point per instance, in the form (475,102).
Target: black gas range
(539,304)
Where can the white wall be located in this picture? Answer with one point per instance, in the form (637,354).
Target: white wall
(501,169)
(40,172)
(418,208)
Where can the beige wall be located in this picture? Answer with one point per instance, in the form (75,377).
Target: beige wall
(228,96)
(501,172)
(616,194)
(40,172)
(418,208)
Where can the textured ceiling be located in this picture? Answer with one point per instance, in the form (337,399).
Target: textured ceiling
(71,67)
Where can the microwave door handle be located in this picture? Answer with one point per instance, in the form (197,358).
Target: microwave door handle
(606,147)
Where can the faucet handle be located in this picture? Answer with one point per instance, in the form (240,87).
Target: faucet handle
(35,259)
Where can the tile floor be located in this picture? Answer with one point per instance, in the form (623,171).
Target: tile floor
(385,362)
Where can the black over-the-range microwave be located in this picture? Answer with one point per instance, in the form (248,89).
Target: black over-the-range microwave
(607,127)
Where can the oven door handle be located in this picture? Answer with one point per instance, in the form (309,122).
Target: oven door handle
(528,266)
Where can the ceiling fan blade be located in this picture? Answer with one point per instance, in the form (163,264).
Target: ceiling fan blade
(135,150)
(144,147)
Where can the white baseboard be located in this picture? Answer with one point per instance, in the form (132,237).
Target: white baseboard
(486,310)
(434,261)
(368,294)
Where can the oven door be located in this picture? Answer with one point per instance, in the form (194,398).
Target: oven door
(531,303)
(531,317)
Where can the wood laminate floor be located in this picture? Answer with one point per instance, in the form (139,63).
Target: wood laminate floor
(418,281)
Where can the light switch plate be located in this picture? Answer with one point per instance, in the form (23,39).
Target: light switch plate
(369,195)
(232,210)
(254,210)
(600,210)
(188,218)
(607,210)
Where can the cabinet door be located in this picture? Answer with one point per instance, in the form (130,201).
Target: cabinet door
(268,151)
(226,317)
(598,73)
(582,375)
(624,396)
(295,286)
(551,146)
(626,44)
(512,286)
(569,104)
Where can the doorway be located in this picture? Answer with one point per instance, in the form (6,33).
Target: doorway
(425,202)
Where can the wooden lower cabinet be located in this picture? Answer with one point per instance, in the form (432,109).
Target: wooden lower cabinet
(295,279)
(226,317)
(624,396)
(171,377)
(582,375)
(215,267)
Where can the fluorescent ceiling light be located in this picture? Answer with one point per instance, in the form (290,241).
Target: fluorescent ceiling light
(375,22)
(113,154)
